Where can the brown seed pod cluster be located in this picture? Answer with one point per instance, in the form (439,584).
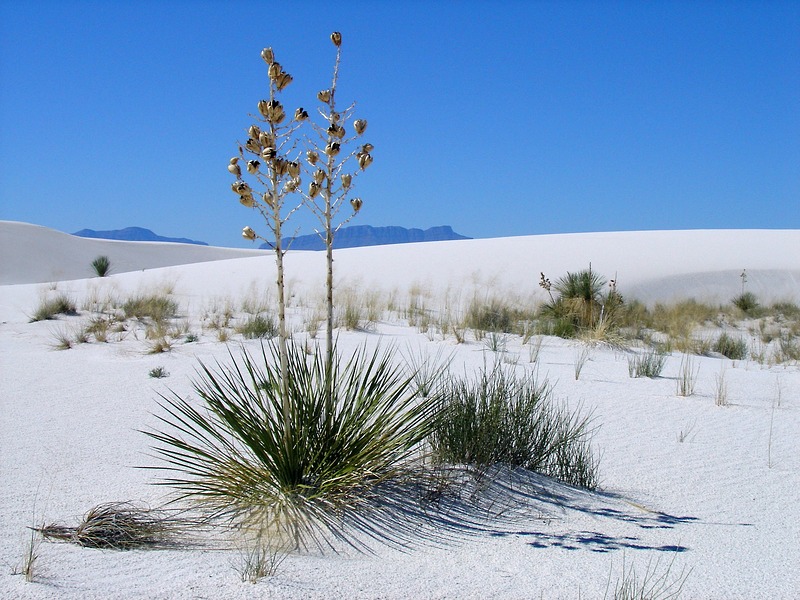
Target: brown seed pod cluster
(336,38)
(356,203)
(272,111)
(364,157)
(360,125)
(248,233)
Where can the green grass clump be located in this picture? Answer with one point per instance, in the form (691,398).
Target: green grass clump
(492,315)
(50,308)
(158,307)
(258,326)
(731,347)
(650,364)
(297,464)
(504,419)
(746,302)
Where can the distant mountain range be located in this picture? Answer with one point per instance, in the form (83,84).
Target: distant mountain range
(346,237)
(366,235)
(133,234)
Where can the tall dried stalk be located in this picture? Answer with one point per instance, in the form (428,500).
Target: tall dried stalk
(331,185)
(272,142)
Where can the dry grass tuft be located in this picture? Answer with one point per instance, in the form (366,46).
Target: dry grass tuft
(122,526)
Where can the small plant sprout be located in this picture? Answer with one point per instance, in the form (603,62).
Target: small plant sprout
(158,373)
(687,376)
(721,388)
(581,356)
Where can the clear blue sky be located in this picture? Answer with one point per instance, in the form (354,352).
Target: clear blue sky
(498,118)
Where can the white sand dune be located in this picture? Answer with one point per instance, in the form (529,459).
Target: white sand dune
(684,482)
(35,254)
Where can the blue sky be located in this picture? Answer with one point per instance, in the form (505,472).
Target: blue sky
(498,118)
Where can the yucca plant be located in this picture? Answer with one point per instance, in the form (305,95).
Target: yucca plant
(101,266)
(231,455)
(581,298)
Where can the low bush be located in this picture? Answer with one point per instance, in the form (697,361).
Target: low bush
(502,418)
(746,302)
(258,326)
(50,308)
(158,307)
(731,347)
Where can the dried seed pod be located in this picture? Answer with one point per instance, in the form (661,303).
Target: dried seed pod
(332,149)
(312,157)
(336,131)
(284,80)
(293,168)
(313,189)
(263,108)
(364,160)
(269,153)
(275,71)
(268,199)
(252,145)
(360,125)
(241,188)
(346,180)
(367,148)
(252,166)
(300,114)
(254,131)
(235,169)
(268,55)
(279,166)
(356,203)
(292,185)
(336,38)
(319,176)
(335,116)
(324,96)
(248,233)
(266,139)
(247,201)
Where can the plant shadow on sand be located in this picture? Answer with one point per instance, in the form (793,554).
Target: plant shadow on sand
(502,502)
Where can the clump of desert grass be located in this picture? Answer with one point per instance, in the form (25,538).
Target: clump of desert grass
(50,308)
(124,526)
(647,364)
(503,418)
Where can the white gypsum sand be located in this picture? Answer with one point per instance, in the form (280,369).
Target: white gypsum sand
(684,484)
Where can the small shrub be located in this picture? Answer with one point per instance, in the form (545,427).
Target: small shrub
(158,373)
(501,418)
(258,326)
(730,347)
(491,316)
(650,364)
(157,307)
(50,308)
(101,266)
(746,302)
(190,337)
(788,349)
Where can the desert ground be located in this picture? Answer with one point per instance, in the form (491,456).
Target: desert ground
(695,493)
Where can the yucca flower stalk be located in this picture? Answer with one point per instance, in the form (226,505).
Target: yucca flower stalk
(276,176)
(332,186)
